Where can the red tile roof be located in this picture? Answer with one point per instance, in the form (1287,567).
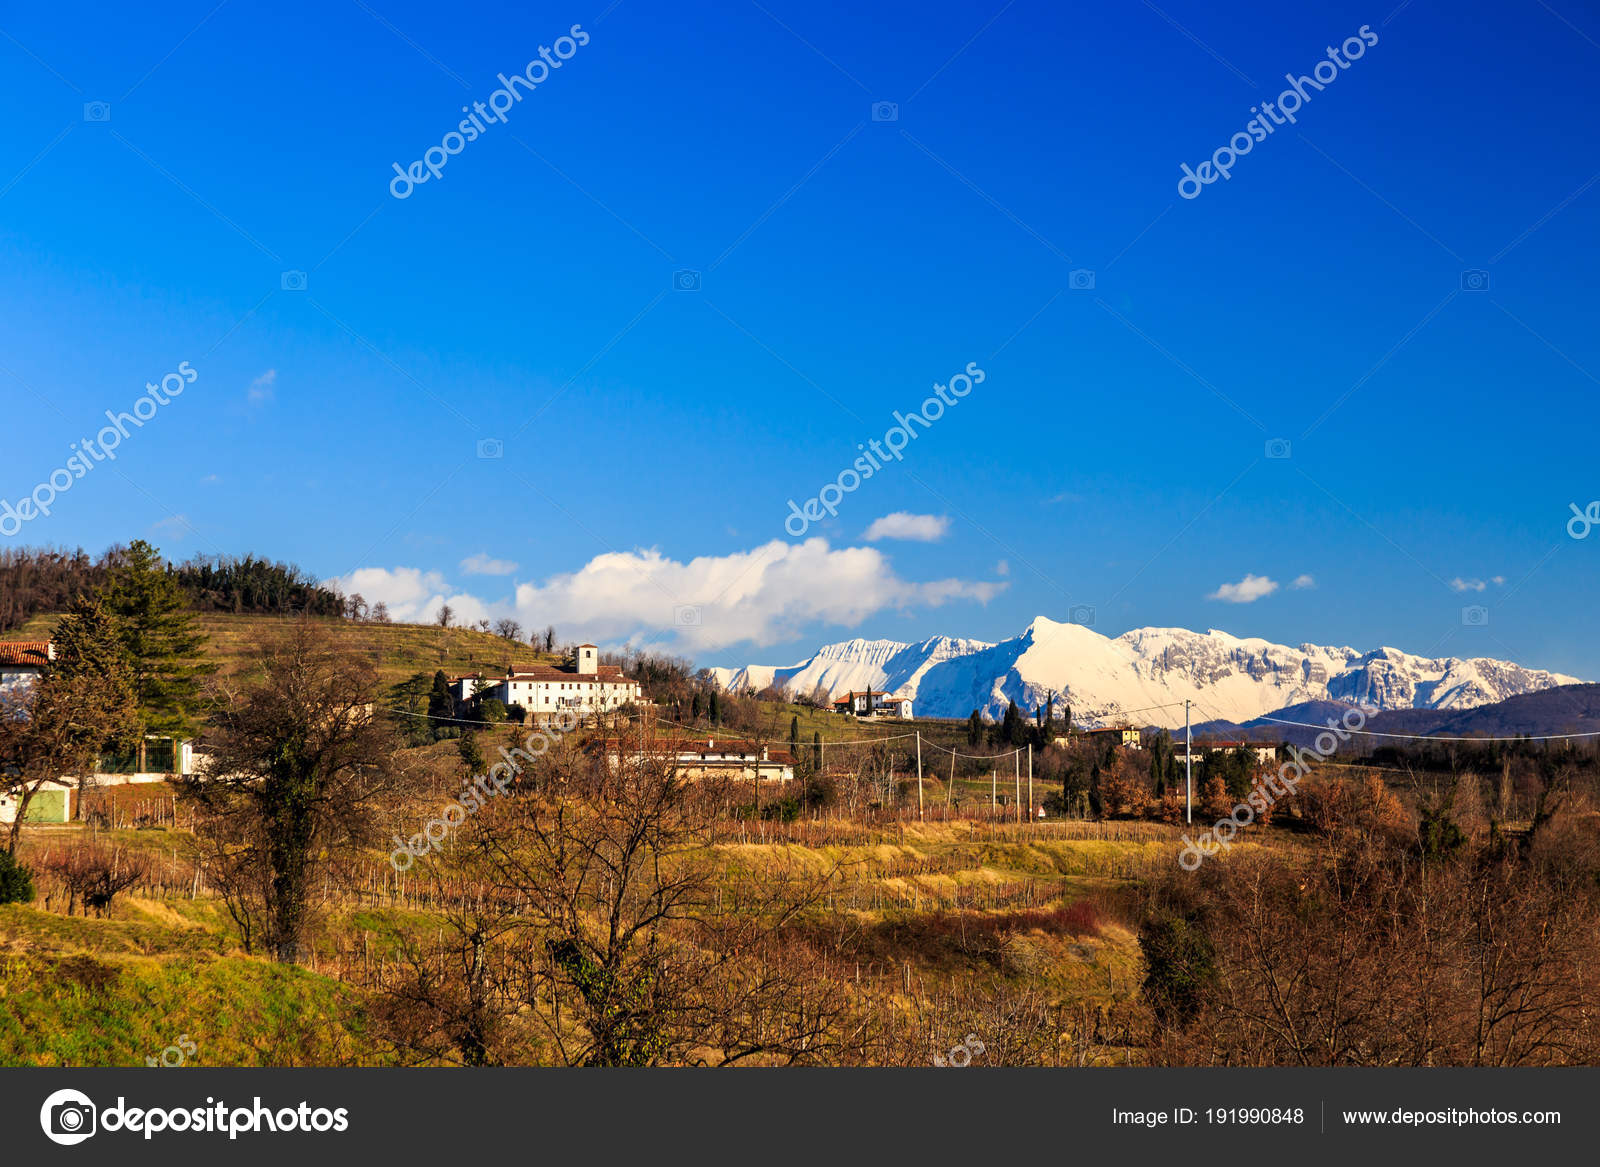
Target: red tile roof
(25,652)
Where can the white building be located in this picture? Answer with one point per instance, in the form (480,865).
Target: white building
(871,703)
(546,691)
(51,803)
(709,757)
(1264,752)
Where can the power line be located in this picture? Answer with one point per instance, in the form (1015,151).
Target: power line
(974,757)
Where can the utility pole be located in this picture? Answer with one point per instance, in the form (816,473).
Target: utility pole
(1030,783)
(994,791)
(1016,765)
(919,775)
(1188,767)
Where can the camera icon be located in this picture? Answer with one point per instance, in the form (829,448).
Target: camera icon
(1081,280)
(1475,616)
(97,111)
(885,111)
(1081,614)
(1475,280)
(686,615)
(685,281)
(68,1117)
(293,281)
(491,448)
(1278,447)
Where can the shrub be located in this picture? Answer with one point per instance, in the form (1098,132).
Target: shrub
(94,876)
(1180,967)
(16,881)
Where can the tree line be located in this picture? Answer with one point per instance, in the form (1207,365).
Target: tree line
(46,580)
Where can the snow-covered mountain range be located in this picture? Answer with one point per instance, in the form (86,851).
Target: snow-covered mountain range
(1143,676)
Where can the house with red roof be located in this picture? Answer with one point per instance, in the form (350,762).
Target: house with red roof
(21,662)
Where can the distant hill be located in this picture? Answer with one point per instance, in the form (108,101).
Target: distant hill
(1567,709)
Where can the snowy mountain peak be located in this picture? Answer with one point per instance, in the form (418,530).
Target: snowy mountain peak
(1146,673)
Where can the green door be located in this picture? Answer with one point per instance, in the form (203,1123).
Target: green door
(48,806)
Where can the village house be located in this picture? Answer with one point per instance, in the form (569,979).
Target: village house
(546,692)
(1264,752)
(1122,735)
(871,703)
(709,757)
(21,662)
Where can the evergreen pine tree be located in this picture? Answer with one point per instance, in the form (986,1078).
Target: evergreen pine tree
(441,706)
(158,631)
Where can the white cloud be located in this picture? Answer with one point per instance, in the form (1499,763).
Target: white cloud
(1468,585)
(1497,580)
(1301,582)
(1002,568)
(261,387)
(171,528)
(1247,591)
(483,564)
(413,595)
(905,525)
(761,596)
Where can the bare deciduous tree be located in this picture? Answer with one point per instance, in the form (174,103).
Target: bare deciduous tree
(299,770)
(602,933)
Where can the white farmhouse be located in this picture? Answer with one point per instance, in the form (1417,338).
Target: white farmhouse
(706,757)
(548,691)
(872,703)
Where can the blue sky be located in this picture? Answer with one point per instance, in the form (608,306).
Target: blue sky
(1114,456)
